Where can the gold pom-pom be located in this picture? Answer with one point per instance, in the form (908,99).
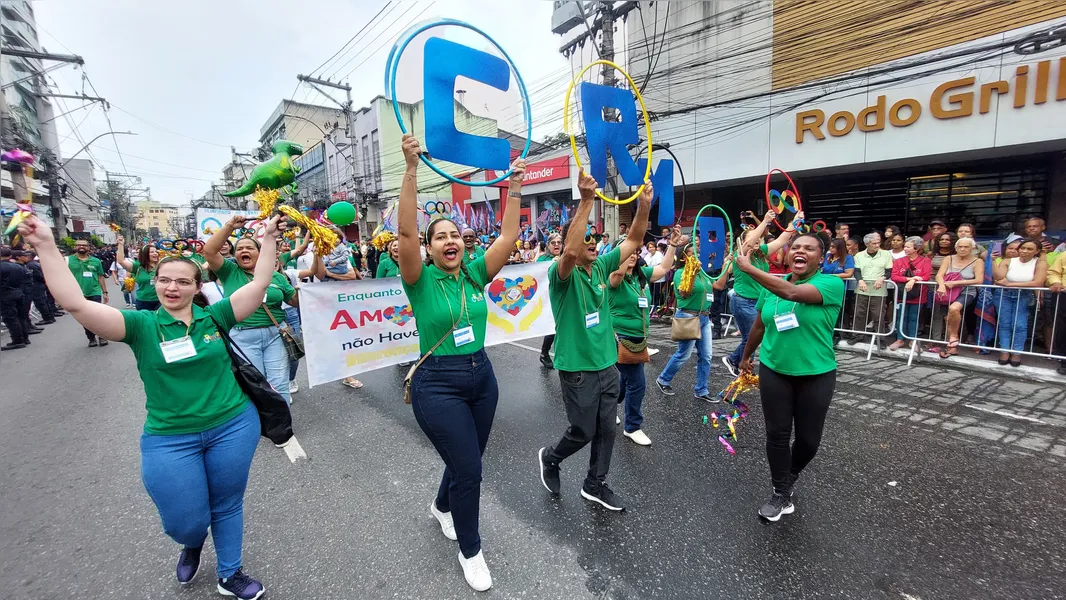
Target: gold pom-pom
(128,284)
(267,200)
(382,240)
(688,275)
(324,238)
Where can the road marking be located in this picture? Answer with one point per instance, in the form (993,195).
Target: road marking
(908,596)
(1004,413)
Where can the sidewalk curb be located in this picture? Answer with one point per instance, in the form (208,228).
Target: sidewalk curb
(1024,372)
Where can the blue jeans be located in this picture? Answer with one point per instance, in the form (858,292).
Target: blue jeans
(631,387)
(454,401)
(1012,318)
(744,313)
(908,322)
(146,304)
(684,351)
(292,317)
(197,480)
(128,297)
(266,351)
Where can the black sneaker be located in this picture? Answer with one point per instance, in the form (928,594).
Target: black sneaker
(666,389)
(779,504)
(549,473)
(705,397)
(1062,368)
(13,346)
(188,564)
(34,331)
(730,366)
(546,361)
(94,343)
(241,586)
(602,495)
(103,342)
(46,322)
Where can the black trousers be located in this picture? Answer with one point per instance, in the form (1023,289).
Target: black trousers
(24,311)
(89,334)
(591,400)
(40,300)
(789,400)
(1056,305)
(9,312)
(546,345)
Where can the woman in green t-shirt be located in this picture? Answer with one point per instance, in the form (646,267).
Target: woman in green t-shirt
(201,429)
(553,248)
(142,271)
(694,303)
(453,388)
(794,321)
(629,303)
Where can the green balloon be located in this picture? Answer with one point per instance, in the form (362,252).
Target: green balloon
(341,214)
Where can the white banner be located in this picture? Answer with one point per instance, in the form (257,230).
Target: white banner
(210,220)
(351,327)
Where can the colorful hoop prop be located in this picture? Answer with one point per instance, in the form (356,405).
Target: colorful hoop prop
(792,192)
(819,226)
(393,62)
(164,245)
(696,234)
(647,127)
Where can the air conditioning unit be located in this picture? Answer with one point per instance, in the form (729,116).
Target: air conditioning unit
(567,15)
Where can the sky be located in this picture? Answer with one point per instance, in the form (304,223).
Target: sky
(194,78)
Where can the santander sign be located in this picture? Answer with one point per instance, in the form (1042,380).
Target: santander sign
(546,170)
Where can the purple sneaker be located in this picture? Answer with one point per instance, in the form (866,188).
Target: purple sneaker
(188,564)
(241,586)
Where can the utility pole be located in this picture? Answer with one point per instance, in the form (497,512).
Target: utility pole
(609,211)
(346,108)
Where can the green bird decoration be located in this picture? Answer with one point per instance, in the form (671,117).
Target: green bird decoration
(277,173)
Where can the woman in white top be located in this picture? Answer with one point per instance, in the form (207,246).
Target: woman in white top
(896,246)
(1027,270)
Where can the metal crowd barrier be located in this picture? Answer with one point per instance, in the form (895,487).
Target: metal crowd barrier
(1028,316)
(878,313)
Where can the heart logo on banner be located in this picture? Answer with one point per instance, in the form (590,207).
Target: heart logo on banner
(512,295)
(399,314)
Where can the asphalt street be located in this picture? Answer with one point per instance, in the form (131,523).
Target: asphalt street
(931,484)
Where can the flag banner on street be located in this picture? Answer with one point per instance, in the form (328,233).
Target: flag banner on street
(210,220)
(352,327)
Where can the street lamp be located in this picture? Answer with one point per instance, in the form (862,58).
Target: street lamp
(89,143)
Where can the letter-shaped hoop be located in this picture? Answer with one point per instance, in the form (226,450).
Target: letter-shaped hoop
(393,62)
(696,235)
(647,128)
(796,205)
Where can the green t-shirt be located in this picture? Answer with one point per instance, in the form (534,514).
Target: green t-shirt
(145,283)
(577,347)
(808,348)
(700,299)
(471,256)
(437,302)
(286,259)
(189,395)
(88,273)
(743,284)
(627,316)
(233,278)
(387,268)
(545,258)
(872,269)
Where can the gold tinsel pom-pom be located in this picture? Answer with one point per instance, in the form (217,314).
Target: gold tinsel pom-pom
(267,200)
(688,275)
(324,239)
(128,283)
(382,240)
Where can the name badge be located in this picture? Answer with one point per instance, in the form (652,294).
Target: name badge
(87,274)
(178,349)
(642,302)
(786,321)
(463,336)
(710,297)
(592,320)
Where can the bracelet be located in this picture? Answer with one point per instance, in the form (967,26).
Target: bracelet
(514,194)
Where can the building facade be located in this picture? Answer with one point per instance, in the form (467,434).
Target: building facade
(304,124)
(157,219)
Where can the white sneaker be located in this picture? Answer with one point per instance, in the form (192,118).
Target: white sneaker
(617,420)
(445,518)
(476,571)
(638,437)
(293,387)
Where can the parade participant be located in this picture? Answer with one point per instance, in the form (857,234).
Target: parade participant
(471,249)
(586,349)
(11,301)
(388,265)
(693,303)
(745,291)
(91,277)
(227,250)
(143,271)
(453,389)
(118,275)
(201,430)
(257,334)
(555,248)
(797,364)
(40,290)
(629,303)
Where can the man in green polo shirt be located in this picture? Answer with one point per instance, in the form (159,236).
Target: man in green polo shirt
(471,250)
(585,347)
(89,272)
(872,268)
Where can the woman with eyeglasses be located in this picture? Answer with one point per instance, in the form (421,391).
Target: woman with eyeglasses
(554,249)
(258,335)
(201,430)
(142,270)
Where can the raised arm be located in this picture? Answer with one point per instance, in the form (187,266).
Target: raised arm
(213,247)
(751,241)
(120,255)
(805,292)
(635,237)
(574,245)
(500,250)
(720,284)
(247,299)
(100,319)
(785,237)
(676,239)
(410,253)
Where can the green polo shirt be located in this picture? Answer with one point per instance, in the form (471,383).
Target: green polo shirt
(546,258)
(627,317)
(743,284)
(580,348)
(873,268)
(471,256)
(87,272)
(233,278)
(145,283)
(437,303)
(807,349)
(387,268)
(698,300)
(193,394)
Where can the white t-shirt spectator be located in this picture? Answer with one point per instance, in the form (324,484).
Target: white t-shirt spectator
(654,260)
